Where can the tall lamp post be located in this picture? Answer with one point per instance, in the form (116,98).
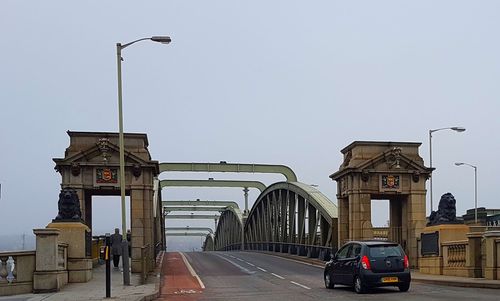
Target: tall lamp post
(475,187)
(119,48)
(454,128)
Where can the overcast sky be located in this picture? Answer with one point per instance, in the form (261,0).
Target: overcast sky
(279,82)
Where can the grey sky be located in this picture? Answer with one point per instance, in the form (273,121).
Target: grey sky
(285,82)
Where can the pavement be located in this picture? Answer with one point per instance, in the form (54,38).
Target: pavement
(95,289)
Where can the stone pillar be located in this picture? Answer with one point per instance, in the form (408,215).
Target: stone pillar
(50,269)
(343,221)
(414,224)
(138,227)
(492,268)
(73,234)
(473,253)
(360,216)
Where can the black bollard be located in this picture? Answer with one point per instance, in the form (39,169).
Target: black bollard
(107,252)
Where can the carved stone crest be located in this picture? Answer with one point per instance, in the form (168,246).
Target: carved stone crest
(136,170)
(75,169)
(393,158)
(103,146)
(365,175)
(347,159)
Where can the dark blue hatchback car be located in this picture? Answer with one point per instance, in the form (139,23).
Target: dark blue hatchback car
(365,264)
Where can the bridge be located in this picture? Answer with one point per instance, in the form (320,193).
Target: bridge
(288,219)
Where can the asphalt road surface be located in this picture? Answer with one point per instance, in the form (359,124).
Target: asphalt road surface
(260,277)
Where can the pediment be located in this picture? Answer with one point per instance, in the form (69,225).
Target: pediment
(391,160)
(100,154)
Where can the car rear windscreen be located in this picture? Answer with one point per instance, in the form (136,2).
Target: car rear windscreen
(383,251)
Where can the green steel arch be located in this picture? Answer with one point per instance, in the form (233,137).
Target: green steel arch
(229,232)
(230,167)
(295,218)
(212,183)
(208,244)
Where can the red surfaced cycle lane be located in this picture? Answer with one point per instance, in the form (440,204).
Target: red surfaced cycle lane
(179,282)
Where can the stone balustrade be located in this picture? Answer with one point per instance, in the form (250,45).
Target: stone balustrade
(455,258)
(476,257)
(16,272)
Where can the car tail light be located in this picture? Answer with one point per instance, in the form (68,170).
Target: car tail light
(407,262)
(365,263)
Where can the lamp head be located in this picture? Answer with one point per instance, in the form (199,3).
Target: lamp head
(161,39)
(458,129)
(459,163)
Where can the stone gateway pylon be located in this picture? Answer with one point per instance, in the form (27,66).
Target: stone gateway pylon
(391,171)
(91,167)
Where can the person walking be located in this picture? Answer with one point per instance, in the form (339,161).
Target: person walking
(129,239)
(116,247)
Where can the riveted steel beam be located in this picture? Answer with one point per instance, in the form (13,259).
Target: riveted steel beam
(194,208)
(192,216)
(212,183)
(170,229)
(203,234)
(230,167)
(201,203)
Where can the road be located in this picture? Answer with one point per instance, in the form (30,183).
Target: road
(256,276)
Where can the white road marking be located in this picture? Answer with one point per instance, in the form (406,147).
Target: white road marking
(239,259)
(250,264)
(276,275)
(262,269)
(237,265)
(191,270)
(301,285)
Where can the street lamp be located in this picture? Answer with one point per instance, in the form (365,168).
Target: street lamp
(119,48)
(454,128)
(475,187)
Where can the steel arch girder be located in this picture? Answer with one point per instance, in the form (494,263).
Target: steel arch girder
(292,213)
(206,229)
(230,167)
(213,183)
(201,203)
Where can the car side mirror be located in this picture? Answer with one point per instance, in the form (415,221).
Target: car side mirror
(333,256)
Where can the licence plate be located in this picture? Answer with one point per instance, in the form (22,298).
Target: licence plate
(389,279)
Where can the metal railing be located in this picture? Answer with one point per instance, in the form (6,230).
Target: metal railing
(311,251)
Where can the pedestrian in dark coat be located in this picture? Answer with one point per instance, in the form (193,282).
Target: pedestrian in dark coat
(116,247)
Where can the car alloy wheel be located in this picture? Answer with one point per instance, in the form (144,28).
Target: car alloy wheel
(328,281)
(359,288)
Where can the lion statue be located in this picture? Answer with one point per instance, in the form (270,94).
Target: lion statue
(446,213)
(68,205)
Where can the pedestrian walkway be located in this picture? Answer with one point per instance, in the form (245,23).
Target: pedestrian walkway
(179,281)
(95,289)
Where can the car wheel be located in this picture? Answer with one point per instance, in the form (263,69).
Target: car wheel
(329,281)
(404,287)
(359,287)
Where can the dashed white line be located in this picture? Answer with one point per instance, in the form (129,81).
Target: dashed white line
(278,276)
(301,285)
(239,259)
(262,269)
(236,265)
(250,264)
